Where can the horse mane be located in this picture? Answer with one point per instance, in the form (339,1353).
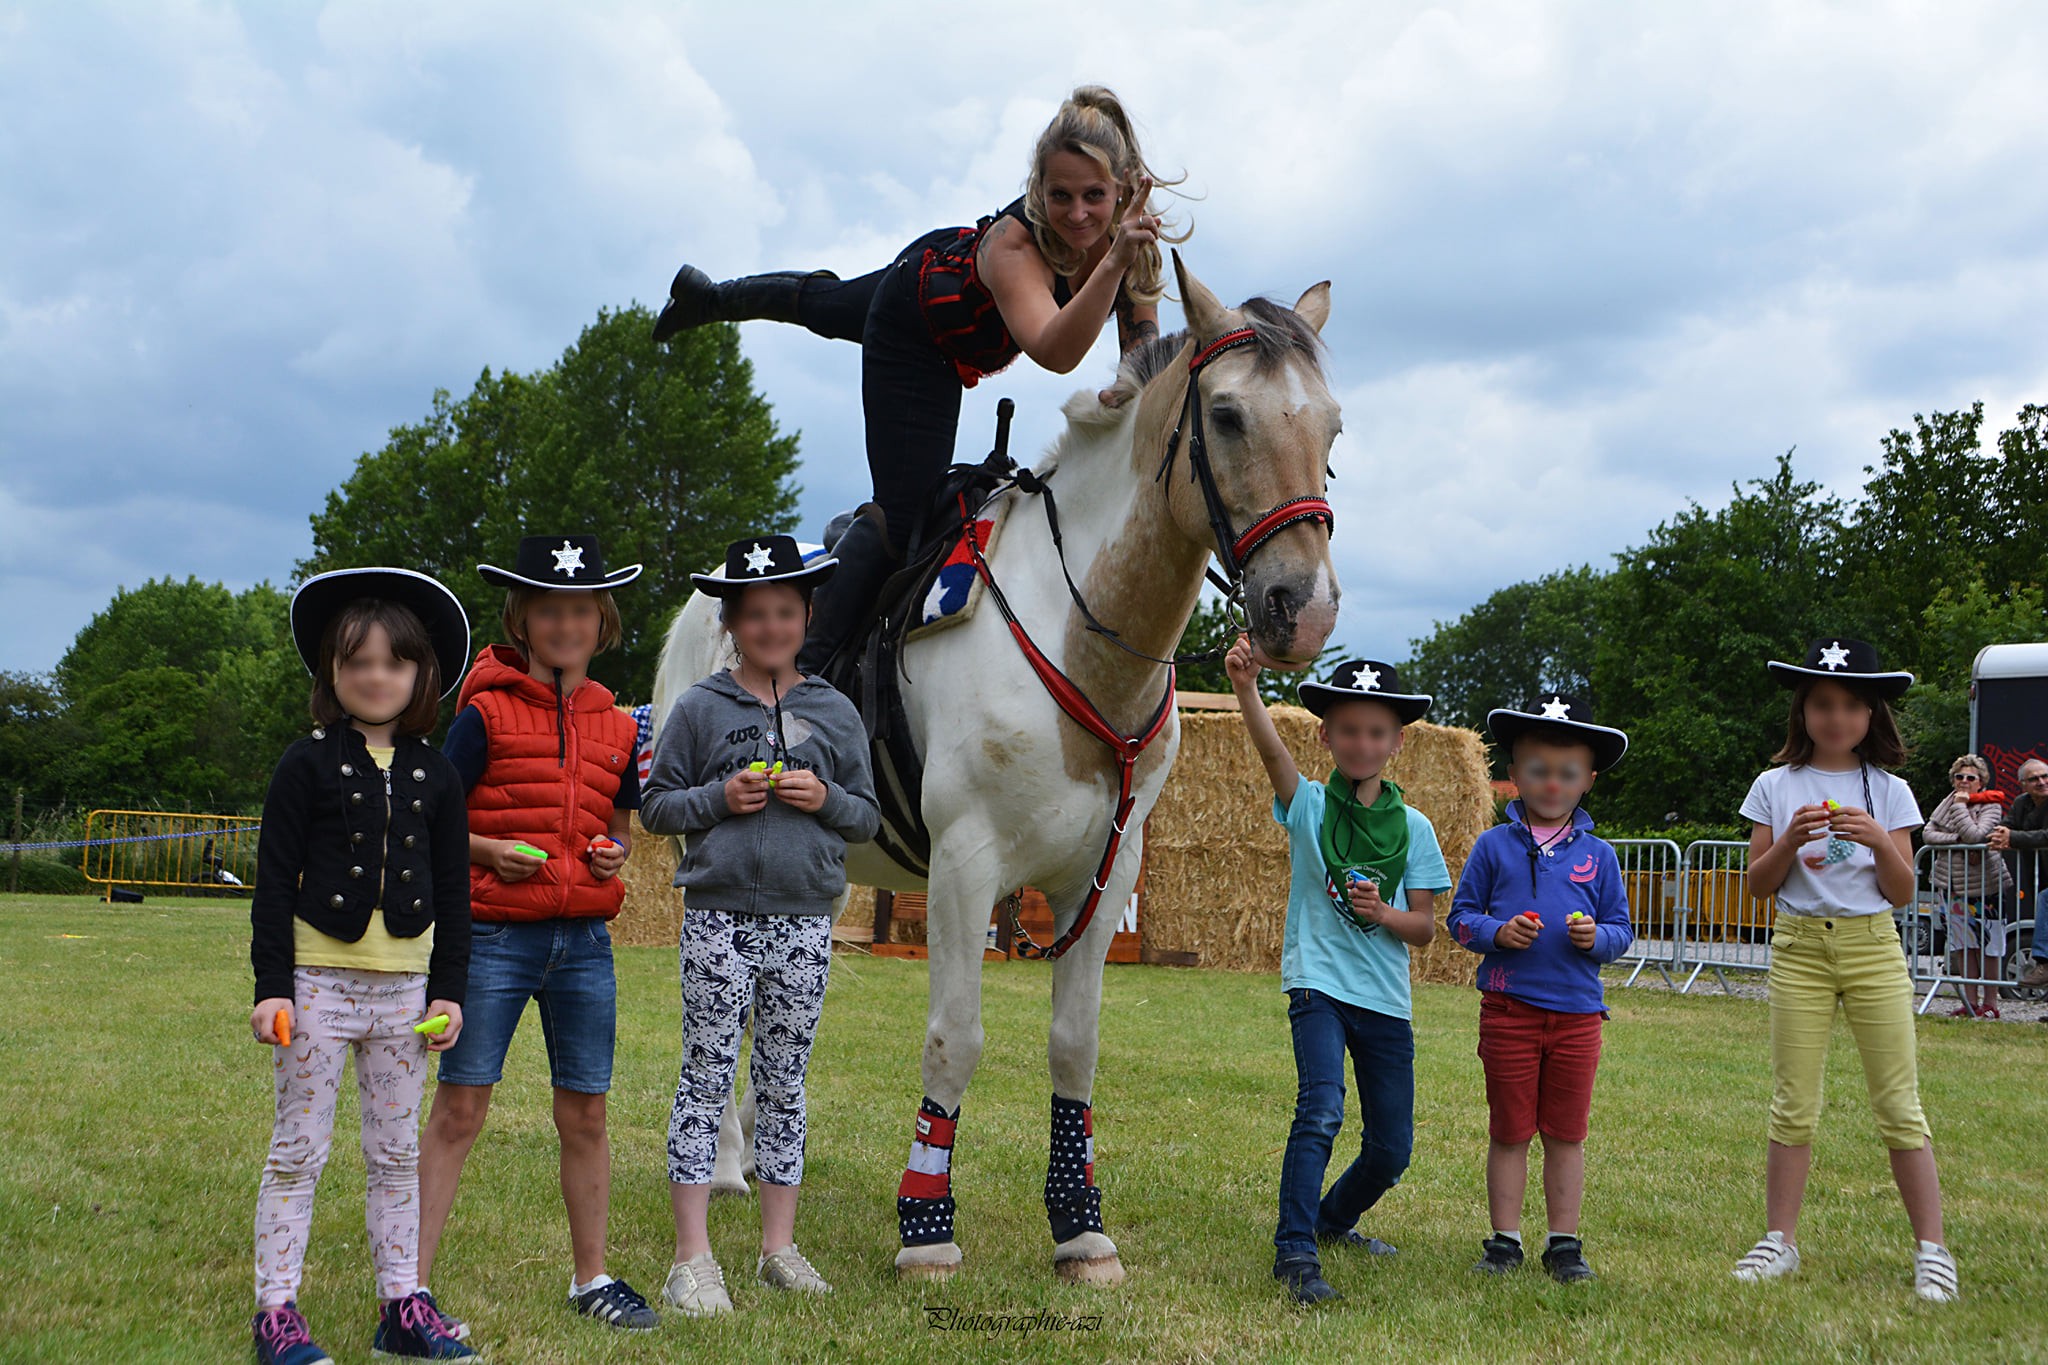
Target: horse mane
(1278,332)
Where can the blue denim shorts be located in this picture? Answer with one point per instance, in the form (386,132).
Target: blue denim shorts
(564,966)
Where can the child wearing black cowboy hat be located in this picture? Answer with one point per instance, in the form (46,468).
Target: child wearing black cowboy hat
(1364,872)
(1541,897)
(360,931)
(765,774)
(1831,839)
(547,760)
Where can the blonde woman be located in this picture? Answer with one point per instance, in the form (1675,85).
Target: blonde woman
(1040,278)
(1970,882)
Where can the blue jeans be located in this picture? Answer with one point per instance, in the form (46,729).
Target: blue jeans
(565,966)
(1382,1052)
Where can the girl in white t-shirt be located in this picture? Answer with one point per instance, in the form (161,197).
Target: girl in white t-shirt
(1830,837)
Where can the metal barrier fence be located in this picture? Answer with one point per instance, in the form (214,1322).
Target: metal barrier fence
(1970,927)
(129,848)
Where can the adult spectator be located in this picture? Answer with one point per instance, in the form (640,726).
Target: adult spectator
(2024,838)
(1970,882)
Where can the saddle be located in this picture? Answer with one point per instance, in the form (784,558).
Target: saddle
(869,668)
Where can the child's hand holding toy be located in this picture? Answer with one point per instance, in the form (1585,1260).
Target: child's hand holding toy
(1519,932)
(607,856)
(514,861)
(442,1025)
(1365,899)
(800,787)
(271,1021)
(1578,927)
(746,791)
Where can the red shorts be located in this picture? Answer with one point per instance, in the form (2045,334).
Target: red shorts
(1539,1069)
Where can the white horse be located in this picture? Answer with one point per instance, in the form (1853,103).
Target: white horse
(1015,791)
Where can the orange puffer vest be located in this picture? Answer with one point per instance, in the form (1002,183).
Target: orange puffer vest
(549,780)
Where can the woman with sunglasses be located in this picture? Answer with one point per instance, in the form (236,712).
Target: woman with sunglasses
(1971,883)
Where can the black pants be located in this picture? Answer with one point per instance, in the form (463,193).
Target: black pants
(909,391)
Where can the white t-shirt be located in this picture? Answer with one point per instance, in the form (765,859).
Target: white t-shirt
(1830,876)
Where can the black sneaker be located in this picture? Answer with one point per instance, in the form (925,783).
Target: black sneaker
(1566,1261)
(1303,1276)
(408,1329)
(453,1326)
(1502,1255)
(1358,1241)
(616,1304)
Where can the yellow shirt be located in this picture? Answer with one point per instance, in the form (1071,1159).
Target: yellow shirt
(377,950)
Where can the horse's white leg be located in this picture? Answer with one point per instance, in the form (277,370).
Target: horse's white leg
(729,1171)
(956,932)
(1082,1252)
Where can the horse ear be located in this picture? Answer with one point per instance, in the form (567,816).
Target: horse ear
(1313,306)
(1203,309)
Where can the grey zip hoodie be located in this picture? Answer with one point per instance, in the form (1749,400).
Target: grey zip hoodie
(778,860)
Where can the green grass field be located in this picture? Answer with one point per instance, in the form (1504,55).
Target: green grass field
(134,1111)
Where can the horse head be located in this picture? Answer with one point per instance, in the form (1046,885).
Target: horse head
(1245,421)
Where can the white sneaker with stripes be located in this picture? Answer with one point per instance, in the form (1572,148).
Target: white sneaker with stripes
(697,1287)
(1934,1274)
(1770,1259)
(787,1269)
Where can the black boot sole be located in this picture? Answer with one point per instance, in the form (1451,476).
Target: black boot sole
(689,303)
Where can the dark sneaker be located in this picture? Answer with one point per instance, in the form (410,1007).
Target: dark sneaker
(1566,1261)
(1358,1241)
(453,1326)
(1303,1276)
(410,1329)
(614,1302)
(282,1339)
(1501,1256)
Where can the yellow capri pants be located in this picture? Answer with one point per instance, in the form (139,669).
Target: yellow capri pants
(1817,964)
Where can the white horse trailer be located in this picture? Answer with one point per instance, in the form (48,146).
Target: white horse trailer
(2009,708)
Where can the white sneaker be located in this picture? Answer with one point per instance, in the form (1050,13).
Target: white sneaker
(697,1287)
(1934,1274)
(1771,1259)
(787,1269)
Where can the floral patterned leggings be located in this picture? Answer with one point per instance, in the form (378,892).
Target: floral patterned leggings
(335,1011)
(777,964)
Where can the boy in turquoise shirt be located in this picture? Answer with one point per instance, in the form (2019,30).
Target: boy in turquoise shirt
(1364,872)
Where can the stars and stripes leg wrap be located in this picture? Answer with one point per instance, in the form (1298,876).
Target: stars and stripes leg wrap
(924,1199)
(1072,1202)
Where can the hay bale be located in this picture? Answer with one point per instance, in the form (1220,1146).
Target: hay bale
(1216,862)
(653,913)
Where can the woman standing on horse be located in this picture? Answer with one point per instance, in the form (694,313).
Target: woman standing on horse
(1040,278)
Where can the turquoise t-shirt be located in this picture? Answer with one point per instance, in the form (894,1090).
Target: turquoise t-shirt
(1322,952)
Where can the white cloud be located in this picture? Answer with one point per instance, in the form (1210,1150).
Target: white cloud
(1590,260)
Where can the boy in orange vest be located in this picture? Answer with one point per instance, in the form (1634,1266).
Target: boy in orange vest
(549,763)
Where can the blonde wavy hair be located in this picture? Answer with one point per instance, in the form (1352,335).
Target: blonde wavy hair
(1092,123)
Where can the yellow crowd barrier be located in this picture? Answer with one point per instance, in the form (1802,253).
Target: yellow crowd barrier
(184,849)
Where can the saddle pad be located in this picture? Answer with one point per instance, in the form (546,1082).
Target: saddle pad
(956,589)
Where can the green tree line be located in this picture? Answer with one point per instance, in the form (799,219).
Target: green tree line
(1943,551)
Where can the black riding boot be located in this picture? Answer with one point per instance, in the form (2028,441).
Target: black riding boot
(695,299)
(843,602)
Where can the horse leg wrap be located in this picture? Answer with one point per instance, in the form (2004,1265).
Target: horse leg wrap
(1072,1201)
(924,1198)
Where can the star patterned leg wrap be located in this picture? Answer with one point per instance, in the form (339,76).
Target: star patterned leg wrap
(924,1198)
(1072,1201)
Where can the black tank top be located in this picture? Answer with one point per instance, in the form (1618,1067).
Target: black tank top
(965,323)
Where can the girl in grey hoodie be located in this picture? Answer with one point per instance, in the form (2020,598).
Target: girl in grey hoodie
(765,774)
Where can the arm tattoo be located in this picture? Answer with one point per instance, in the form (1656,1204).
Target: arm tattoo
(1130,332)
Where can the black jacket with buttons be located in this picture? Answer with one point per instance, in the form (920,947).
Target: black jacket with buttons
(336,846)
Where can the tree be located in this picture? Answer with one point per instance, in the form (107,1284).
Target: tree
(665,453)
(38,741)
(1526,639)
(181,694)
(1934,717)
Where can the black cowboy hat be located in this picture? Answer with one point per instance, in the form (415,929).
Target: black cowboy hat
(764,559)
(1365,680)
(321,598)
(1844,661)
(574,563)
(1563,711)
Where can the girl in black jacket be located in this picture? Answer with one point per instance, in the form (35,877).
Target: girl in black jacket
(360,932)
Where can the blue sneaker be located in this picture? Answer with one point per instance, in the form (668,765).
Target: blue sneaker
(452,1325)
(411,1329)
(282,1338)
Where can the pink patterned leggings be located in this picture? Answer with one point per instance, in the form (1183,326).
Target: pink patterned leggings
(335,1011)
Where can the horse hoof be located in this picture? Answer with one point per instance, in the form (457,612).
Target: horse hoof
(730,1189)
(938,1262)
(1089,1259)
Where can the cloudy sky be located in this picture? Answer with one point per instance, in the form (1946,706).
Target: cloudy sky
(1589,260)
